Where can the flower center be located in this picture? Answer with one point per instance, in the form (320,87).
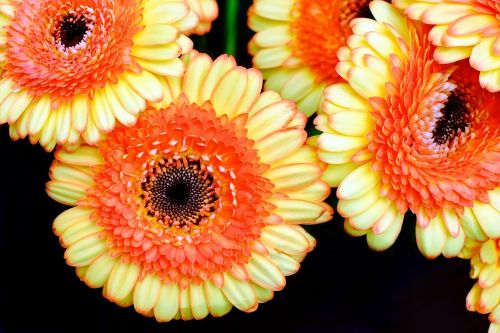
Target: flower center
(74,28)
(455,117)
(72,31)
(179,193)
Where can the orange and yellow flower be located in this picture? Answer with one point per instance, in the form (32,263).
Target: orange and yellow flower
(72,68)
(484,297)
(296,44)
(406,133)
(197,207)
(463,29)
(207,11)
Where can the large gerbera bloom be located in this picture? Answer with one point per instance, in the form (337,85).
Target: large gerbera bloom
(72,68)
(462,29)
(196,208)
(297,42)
(484,254)
(207,11)
(406,133)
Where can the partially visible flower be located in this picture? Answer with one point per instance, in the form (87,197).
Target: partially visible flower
(484,254)
(72,68)
(297,42)
(406,133)
(463,29)
(207,11)
(197,207)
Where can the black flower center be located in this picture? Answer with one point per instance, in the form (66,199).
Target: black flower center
(455,118)
(72,30)
(179,194)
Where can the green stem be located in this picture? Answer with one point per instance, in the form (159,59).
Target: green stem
(231,28)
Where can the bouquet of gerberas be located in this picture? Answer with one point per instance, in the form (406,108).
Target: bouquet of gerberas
(190,177)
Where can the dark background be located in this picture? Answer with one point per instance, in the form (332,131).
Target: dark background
(342,285)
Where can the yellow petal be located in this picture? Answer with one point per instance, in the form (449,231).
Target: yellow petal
(101,112)
(85,250)
(147,85)
(78,231)
(239,293)
(199,307)
(168,302)
(298,211)
(293,176)
(165,13)
(271,57)
(220,67)
(264,273)
(269,119)
(69,218)
(488,218)
(80,109)
(146,293)
(432,239)
(65,193)
(195,77)
(229,91)
(286,264)
(98,272)
(279,144)
(218,304)
(286,238)
(382,241)
(122,280)
(83,156)
(358,182)
(156,34)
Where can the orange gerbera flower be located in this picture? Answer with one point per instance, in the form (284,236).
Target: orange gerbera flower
(207,10)
(406,133)
(196,207)
(463,29)
(72,67)
(297,42)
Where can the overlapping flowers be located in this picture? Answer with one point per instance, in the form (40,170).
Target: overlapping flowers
(189,185)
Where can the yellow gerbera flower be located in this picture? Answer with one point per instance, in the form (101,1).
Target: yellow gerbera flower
(297,42)
(70,69)
(197,207)
(463,29)
(406,133)
(207,11)
(484,297)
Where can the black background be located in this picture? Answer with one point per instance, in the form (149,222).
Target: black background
(342,285)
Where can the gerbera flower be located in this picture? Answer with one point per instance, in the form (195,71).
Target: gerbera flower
(297,42)
(406,133)
(207,11)
(462,29)
(197,207)
(484,297)
(72,68)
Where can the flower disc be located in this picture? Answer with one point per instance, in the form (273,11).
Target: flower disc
(196,207)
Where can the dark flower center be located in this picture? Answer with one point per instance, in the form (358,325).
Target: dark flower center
(72,30)
(73,27)
(455,118)
(179,194)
